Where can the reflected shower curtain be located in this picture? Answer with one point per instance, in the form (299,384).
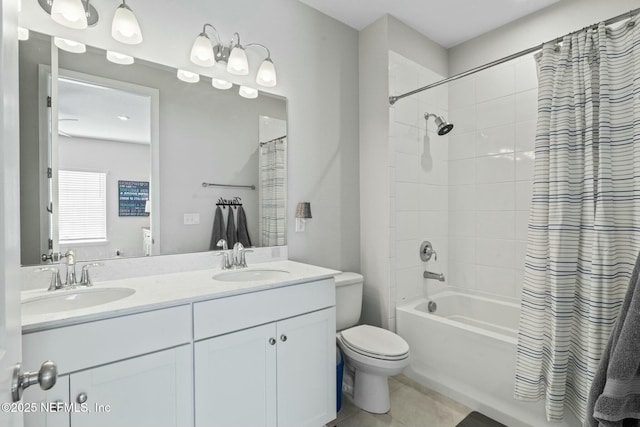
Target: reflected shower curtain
(584,225)
(272,193)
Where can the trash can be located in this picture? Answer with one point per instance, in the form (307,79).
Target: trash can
(339,370)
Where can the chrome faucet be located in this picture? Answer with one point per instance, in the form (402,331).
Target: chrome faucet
(436,276)
(239,259)
(226,262)
(71,267)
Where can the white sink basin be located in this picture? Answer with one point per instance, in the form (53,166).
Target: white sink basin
(74,299)
(253,275)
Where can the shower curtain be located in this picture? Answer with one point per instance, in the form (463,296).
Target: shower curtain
(272,193)
(584,224)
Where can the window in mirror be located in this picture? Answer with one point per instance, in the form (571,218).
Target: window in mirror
(82,207)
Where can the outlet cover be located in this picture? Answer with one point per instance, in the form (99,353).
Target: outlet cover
(191,219)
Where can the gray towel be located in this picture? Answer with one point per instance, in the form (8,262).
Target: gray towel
(218,230)
(614,399)
(243,231)
(232,233)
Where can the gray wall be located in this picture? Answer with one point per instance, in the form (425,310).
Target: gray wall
(317,62)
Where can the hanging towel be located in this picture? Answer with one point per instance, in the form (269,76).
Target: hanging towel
(218,230)
(614,399)
(232,233)
(243,231)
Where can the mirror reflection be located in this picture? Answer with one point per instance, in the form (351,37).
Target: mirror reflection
(128,160)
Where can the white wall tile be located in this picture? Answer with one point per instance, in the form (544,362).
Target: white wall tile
(495,82)
(526,135)
(527,105)
(462,93)
(433,197)
(496,224)
(526,74)
(462,197)
(461,251)
(495,253)
(497,112)
(496,140)
(463,119)
(407,196)
(407,168)
(461,145)
(407,254)
(498,281)
(462,224)
(462,275)
(407,111)
(499,168)
(524,165)
(406,139)
(524,192)
(519,274)
(521,252)
(392,181)
(462,172)
(495,197)
(433,223)
(408,283)
(407,225)
(522,225)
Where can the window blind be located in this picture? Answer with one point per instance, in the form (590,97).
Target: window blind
(82,206)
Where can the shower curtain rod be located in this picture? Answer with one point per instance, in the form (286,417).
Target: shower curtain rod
(621,17)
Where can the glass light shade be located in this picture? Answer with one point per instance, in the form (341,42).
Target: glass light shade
(267,74)
(202,52)
(248,92)
(23,34)
(303,210)
(69,45)
(238,63)
(221,84)
(188,76)
(125,27)
(70,13)
(119,58)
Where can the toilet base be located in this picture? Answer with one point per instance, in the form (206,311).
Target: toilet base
(371,392)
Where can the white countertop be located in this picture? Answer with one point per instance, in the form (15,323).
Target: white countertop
(168,290)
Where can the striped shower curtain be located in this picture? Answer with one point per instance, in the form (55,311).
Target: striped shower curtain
(584,225)
(273,193)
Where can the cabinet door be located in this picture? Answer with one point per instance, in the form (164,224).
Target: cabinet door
(235,379)
(307,369)
(52,405)
(154,390)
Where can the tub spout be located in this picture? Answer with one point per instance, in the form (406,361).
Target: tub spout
(436,276)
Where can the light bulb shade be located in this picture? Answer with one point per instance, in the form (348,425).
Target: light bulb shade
(70,13)
(267,74)
(248,92)
(221,84)
(238,63)
(188,76)
(23,34)
(303,210)
(69,45)
(119,58)
(202,51)
(125,27)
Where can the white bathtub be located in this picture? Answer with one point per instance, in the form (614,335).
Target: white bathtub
(466,350)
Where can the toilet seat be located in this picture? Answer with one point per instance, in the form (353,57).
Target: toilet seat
(375,342)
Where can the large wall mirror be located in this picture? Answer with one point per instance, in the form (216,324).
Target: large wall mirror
(127,160)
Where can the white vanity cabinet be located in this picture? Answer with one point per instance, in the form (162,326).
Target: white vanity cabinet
(280,373)
(129,371)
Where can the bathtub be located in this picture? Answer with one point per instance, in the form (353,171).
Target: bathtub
(466,349)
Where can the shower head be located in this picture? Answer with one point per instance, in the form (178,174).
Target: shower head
(444,127)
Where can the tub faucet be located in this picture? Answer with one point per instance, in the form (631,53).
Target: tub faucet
(436,276)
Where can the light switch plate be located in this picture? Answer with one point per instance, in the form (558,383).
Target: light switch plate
(191,219)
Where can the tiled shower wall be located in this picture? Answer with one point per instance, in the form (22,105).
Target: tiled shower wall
(418,174)
(467,192)
(490,176)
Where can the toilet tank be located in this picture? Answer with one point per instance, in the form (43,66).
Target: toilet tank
(348,299)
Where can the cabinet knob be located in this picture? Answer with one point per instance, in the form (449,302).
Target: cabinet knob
(283,337)
(272,341)
(82,397)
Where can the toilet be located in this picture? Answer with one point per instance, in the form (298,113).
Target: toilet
(371,354)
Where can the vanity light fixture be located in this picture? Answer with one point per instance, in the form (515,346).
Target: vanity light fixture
(76,14)
(221,84)
(119,58)
(303,213)
(207,54)
(125,27)
(188,76)
(69,45)
(23,34)
(248,92)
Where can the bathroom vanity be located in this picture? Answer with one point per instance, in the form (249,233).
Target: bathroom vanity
(203,348)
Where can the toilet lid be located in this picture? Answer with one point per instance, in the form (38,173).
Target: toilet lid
(376,341)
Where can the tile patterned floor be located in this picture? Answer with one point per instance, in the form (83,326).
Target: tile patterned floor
(412,405)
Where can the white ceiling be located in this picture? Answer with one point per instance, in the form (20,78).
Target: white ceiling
(91,111)
(446,22)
